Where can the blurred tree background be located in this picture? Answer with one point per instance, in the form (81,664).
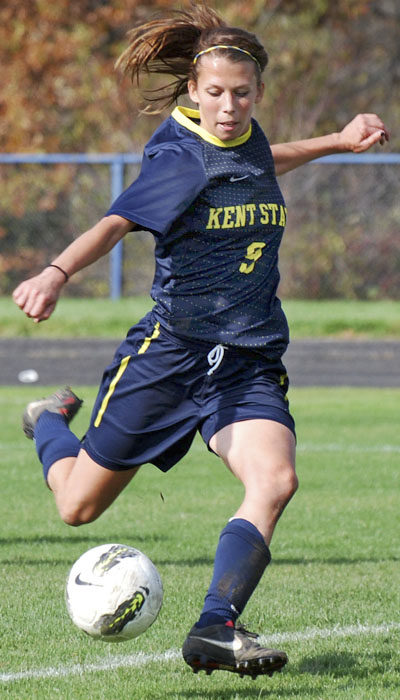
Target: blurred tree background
(60,93)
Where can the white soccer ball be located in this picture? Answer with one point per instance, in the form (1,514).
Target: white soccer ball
(113,592)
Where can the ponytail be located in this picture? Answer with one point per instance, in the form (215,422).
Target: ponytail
(169,45)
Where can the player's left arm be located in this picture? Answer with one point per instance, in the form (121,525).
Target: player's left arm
(364,131)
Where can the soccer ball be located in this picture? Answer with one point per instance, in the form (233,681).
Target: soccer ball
(113,592)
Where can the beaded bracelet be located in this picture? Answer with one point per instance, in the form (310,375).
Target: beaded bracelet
(66,275)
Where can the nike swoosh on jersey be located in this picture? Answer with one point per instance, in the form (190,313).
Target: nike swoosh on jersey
(234,645)
(234,178)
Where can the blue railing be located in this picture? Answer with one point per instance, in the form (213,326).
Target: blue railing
(117,163)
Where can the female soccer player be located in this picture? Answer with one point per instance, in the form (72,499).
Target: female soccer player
(208,355)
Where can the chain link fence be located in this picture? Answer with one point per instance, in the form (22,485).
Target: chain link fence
(342,238)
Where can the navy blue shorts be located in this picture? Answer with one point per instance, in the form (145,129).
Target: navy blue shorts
(159,391)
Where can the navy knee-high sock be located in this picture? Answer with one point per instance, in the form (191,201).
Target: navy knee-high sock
(240,561)
(54,440)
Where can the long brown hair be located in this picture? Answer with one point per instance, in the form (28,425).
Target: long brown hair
(168,45)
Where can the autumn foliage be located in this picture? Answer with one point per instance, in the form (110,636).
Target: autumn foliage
(61,93)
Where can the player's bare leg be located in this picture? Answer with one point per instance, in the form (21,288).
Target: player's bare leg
(83,489)
(261,453)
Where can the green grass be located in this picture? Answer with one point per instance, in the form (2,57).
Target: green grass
(106,318)
(331,597)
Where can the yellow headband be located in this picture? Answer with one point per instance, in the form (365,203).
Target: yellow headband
(224,46)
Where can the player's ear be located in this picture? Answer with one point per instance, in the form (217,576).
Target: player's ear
(192,90)
(260,93)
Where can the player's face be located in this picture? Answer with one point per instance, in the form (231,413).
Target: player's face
(226,93)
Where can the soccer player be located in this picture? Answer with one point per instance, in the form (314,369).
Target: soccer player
(208,357)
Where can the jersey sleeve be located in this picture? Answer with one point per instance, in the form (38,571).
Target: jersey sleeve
(170,179)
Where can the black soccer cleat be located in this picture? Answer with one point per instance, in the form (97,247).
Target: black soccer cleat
(230,648)
(63,401)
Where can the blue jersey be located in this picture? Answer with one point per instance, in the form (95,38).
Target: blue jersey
(218,216)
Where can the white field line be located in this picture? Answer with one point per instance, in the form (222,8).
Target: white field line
(334,632)
(141,659)
(335,447)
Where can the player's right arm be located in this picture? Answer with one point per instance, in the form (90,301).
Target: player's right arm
(38,295)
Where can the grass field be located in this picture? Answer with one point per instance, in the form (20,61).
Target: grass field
(105,318)
(331,597)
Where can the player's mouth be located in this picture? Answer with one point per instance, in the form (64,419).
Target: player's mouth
(228,127)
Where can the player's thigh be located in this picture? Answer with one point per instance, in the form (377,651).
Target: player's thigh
(91,488)
(257,450)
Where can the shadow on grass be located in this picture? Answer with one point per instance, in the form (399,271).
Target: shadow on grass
(230,693)
(87,541)
(345,665)
(344,668)
(90,540)
(140,540)
(335,561)
(248,690)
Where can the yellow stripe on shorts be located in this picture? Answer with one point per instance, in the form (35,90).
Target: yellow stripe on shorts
(147,341)
(282,380)
(103,407)
(121,370)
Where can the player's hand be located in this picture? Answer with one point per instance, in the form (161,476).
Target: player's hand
(38,296)
(362,132)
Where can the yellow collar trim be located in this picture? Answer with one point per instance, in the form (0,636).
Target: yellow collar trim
(185,116)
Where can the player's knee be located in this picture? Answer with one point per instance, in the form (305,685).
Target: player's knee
(280,484)
(288,483)
(77,514)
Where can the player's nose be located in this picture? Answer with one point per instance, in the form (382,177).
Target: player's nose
(228,103)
